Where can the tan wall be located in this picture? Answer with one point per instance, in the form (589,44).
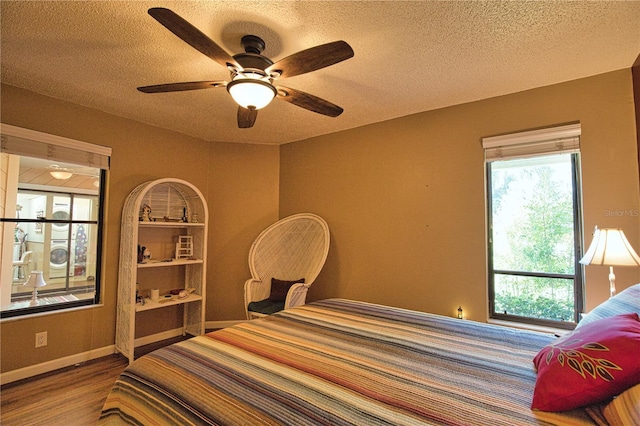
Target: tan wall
(246,200)
(240,183)
(405,202)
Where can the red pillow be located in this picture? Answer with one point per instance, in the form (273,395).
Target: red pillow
(592,364)
(280,288)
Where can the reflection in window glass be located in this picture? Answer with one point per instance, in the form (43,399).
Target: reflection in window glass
(54,230)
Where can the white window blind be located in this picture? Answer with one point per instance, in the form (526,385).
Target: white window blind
(561,139)
(19,141)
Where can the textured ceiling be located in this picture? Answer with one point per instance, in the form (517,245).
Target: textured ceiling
(409,56)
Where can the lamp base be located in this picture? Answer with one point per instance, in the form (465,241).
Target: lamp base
(34,299)
(612,283)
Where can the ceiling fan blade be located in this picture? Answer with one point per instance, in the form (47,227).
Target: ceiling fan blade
(312,59)
(179,87)
(246,117)
(192,36)
(308,101)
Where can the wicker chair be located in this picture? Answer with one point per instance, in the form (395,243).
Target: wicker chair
(284,261)
(19,271)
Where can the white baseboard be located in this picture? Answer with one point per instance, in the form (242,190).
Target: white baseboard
(169,334)
(153,338)
(214,325)
(55,364)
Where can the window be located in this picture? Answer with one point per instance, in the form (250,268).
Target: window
(534,226)
(51,203)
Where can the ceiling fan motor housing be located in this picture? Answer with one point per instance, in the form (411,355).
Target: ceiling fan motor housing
(252,44)
(251,62)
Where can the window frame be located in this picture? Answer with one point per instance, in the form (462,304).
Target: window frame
(537,143)
(69,151)
(577,276)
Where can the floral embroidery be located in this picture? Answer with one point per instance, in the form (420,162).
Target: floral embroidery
(580,361)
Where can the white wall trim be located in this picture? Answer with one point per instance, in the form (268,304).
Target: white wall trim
(214,325)
(55,364)
(532,136)
(153,338)
(23,133)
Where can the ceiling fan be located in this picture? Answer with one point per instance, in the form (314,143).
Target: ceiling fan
(252,74)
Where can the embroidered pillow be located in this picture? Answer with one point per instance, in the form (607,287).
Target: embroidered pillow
(590,365)
(280,288)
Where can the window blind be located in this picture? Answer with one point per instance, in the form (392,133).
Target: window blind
(561,139)
(20,141)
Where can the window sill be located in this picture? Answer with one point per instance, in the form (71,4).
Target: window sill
(44,301)
(530,327)
(62,310)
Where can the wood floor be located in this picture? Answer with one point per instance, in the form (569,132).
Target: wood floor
(71,396)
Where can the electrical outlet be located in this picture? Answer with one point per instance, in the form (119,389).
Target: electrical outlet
(41,339)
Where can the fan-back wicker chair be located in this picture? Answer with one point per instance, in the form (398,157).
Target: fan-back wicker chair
(291,252)
(19,271)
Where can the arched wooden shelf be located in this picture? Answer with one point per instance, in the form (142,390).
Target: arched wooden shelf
(178,209)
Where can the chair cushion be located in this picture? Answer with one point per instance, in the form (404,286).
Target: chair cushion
(280,288)
(266,307)
(589,365)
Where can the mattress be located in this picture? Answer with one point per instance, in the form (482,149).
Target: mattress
(339,362)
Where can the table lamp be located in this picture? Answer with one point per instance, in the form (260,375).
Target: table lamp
(35,280)
(610,247)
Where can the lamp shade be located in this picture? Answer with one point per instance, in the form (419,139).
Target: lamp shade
(610,247)
(61,175)
(35,280)
(251,93)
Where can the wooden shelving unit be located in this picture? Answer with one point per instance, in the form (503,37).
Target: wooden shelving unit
(172,203)
(169,263)
(163,302)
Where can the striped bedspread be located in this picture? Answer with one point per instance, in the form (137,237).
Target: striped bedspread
(339,362)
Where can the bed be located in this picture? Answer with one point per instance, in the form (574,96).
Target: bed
(339,362)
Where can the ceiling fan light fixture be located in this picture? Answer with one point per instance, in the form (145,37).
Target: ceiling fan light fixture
(252,73)
(251,93)
(61,175)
